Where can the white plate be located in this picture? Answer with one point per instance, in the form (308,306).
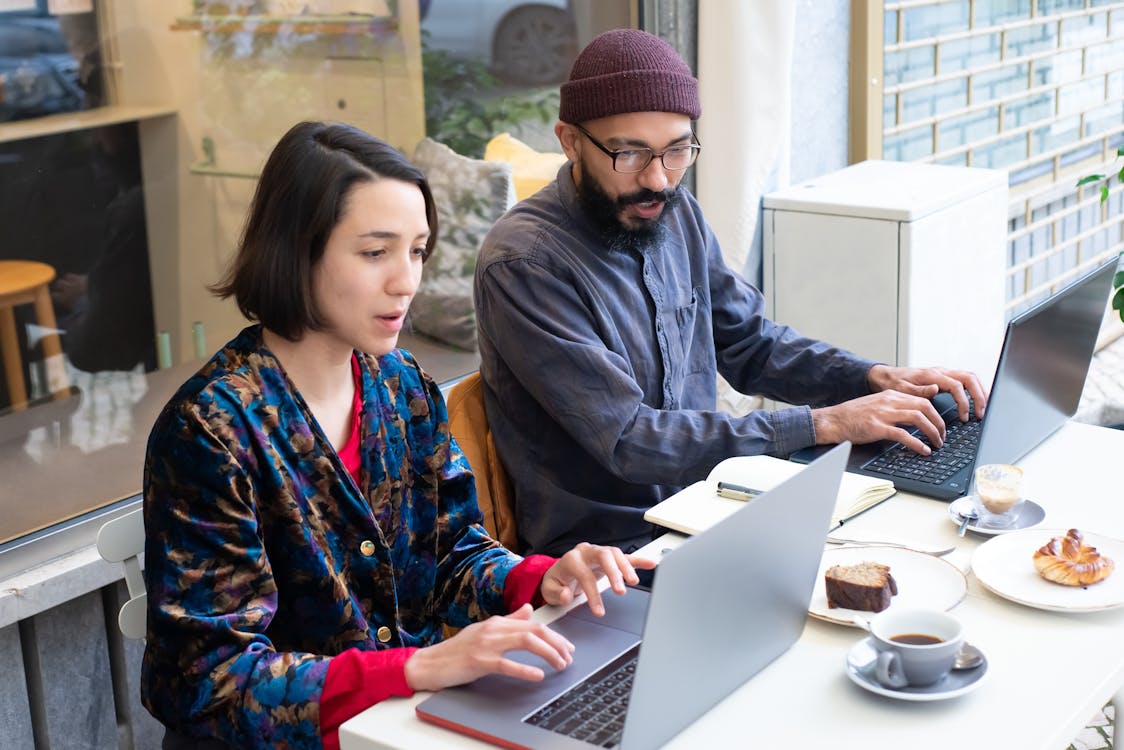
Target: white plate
(923,581)
(1030,514)
(860,668)
(1005,565)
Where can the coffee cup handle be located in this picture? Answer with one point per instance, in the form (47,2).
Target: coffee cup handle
(888,670)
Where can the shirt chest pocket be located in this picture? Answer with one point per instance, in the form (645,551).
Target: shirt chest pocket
(687,352)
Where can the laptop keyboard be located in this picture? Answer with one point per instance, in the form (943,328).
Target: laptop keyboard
(593,710)
(960,444)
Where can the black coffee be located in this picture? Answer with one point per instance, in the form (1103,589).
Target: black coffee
(917,639)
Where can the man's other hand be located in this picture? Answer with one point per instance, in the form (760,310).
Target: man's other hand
(926,382)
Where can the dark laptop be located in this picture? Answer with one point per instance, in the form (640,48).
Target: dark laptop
(726,603)
(1037,386)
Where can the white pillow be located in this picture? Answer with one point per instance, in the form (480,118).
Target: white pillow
(471,194)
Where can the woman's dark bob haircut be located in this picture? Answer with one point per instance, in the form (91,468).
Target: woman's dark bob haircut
(299,199)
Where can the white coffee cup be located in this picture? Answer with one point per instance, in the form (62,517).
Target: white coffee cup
(916,647)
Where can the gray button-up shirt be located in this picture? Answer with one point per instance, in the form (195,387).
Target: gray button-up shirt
(600,368)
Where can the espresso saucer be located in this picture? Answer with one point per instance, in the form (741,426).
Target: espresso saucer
(1030,514)
(860,668)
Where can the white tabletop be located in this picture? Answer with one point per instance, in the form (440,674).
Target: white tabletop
(1048,672)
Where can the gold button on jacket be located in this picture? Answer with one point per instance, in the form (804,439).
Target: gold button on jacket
(367,548)
(383,634)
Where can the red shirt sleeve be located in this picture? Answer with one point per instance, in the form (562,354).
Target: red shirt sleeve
(357,680)
(524,582)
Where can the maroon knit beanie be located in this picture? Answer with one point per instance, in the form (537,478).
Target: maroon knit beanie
(628,70)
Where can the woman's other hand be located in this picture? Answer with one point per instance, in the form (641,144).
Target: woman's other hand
(578,571)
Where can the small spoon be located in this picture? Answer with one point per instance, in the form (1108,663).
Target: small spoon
(969,657)
(966,518)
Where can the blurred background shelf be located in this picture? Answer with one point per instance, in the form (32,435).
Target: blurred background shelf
(68,122)
(274,24)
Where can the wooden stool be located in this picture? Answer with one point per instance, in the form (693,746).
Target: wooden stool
(26,282)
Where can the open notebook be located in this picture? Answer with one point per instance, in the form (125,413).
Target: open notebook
(699,505)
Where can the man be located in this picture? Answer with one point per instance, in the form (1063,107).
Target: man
(605,312)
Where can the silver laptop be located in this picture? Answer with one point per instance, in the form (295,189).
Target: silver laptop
(1037,386)
(725,603)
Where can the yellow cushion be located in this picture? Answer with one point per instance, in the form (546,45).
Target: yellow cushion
(532,170)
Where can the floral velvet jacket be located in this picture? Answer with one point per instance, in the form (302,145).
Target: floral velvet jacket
(264,559)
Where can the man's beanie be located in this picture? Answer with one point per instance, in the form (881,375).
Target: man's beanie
(628,70)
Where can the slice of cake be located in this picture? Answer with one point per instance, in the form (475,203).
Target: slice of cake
(867,586)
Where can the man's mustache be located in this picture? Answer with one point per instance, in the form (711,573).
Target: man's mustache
(647,196)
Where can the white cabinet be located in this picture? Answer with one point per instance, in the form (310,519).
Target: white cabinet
(900,262)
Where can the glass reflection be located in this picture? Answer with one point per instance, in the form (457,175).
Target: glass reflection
(48,64)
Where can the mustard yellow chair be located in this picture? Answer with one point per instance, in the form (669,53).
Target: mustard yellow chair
(469,425)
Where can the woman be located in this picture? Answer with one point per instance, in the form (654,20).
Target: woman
(310,523)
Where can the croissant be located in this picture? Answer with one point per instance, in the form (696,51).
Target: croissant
(1067,561)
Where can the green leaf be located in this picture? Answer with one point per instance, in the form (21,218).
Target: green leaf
(1120,174)
(1120,150)
(1104,193)
(1118,280)
(1118,301)
(1090,178)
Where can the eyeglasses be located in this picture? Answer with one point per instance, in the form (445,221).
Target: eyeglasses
(632,160)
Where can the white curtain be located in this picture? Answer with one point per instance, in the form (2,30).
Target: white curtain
(745,78)
(745,81)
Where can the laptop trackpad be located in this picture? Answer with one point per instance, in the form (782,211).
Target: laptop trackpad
(625,613)
(512,697)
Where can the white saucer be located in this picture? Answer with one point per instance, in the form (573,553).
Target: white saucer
(860,668)
(1030,514)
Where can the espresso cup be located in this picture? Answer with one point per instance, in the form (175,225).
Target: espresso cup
(916,647)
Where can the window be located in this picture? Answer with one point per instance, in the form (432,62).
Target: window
(144,124)
(1034,87)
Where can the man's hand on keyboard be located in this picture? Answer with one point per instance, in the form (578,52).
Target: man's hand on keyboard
(927,382)
(887,415)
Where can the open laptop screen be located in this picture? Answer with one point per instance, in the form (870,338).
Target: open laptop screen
(1042,371)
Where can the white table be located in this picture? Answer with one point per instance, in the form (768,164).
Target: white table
(1049,672)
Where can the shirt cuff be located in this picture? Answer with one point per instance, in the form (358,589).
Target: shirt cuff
(862,387)
(524,582)
(793,429)
(357,680)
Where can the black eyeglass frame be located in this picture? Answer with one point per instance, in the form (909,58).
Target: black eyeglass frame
(695,147)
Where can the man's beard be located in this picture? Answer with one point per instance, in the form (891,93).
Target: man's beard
(604,212)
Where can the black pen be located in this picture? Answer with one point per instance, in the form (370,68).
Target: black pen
(736,491)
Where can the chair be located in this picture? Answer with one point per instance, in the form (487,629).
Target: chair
(469,425)
(122,540)
(27,282)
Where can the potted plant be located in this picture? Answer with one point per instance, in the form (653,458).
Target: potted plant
(1103,181)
